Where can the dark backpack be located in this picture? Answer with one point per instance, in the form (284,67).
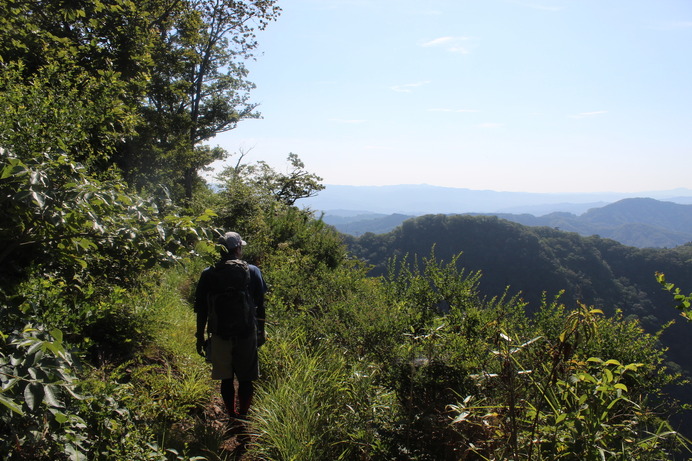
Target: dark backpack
(230,313)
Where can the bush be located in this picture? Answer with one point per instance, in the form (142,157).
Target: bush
(37,404)
(547,401)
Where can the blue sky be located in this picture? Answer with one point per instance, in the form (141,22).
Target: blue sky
(507,95)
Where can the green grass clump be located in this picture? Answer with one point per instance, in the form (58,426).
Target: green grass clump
(315,404)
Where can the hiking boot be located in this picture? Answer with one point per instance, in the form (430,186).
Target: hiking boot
(236,426)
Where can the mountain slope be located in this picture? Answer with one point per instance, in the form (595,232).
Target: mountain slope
(363,223)
(667,215)
(638,222)
(537,260)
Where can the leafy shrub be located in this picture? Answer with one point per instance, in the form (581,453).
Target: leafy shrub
(37,402)
(108,323)
(550,404)
(116,428)
(684,302)
(68,220)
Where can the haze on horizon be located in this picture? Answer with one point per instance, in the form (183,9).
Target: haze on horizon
(506,95)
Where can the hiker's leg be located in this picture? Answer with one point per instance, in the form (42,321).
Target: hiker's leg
(228,395)
(245,391)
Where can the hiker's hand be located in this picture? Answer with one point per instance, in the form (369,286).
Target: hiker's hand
(200,346)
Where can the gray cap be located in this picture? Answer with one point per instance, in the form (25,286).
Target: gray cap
(231,240)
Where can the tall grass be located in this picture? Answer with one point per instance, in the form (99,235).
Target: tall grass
(314,404)
(173,387)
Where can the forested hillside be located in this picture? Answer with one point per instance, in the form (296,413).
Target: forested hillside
(107,224)
(533,261)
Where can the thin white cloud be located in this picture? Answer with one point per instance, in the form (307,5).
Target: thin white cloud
(449,43)
(452,110)
(589,114)
(408,87)
(438,41)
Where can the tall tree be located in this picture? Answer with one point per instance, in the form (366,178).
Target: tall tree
(198,88)
(94,53)
(59,216)
(174,70)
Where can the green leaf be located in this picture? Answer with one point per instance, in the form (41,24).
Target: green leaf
(37,345)
(21,195)
(33,395)
(56,334)
(633,366)
(13,170)
(57,350)
(85,244)
(9,384)
(81,262)
(39,198)
(50,398)
(11,404)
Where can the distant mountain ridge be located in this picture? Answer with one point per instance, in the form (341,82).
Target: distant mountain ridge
(359,224)
(424,199)
(638,222)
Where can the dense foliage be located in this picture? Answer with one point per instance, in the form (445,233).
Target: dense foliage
(534,260)
(158,77)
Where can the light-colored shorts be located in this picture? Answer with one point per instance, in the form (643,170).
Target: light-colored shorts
(235,356)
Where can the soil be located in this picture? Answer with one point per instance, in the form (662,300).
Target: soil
(235,440)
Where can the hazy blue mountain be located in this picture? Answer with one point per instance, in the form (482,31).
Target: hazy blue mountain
(667,215)
(423,199)
(638,222)
(362,223)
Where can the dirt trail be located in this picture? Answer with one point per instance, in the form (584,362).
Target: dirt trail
(236,441)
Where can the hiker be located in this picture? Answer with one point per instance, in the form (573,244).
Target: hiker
(235,323)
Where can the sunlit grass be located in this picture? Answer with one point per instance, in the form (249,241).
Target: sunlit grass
(313,404)
(173,384)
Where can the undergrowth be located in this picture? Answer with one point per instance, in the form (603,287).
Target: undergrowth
(411,366)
